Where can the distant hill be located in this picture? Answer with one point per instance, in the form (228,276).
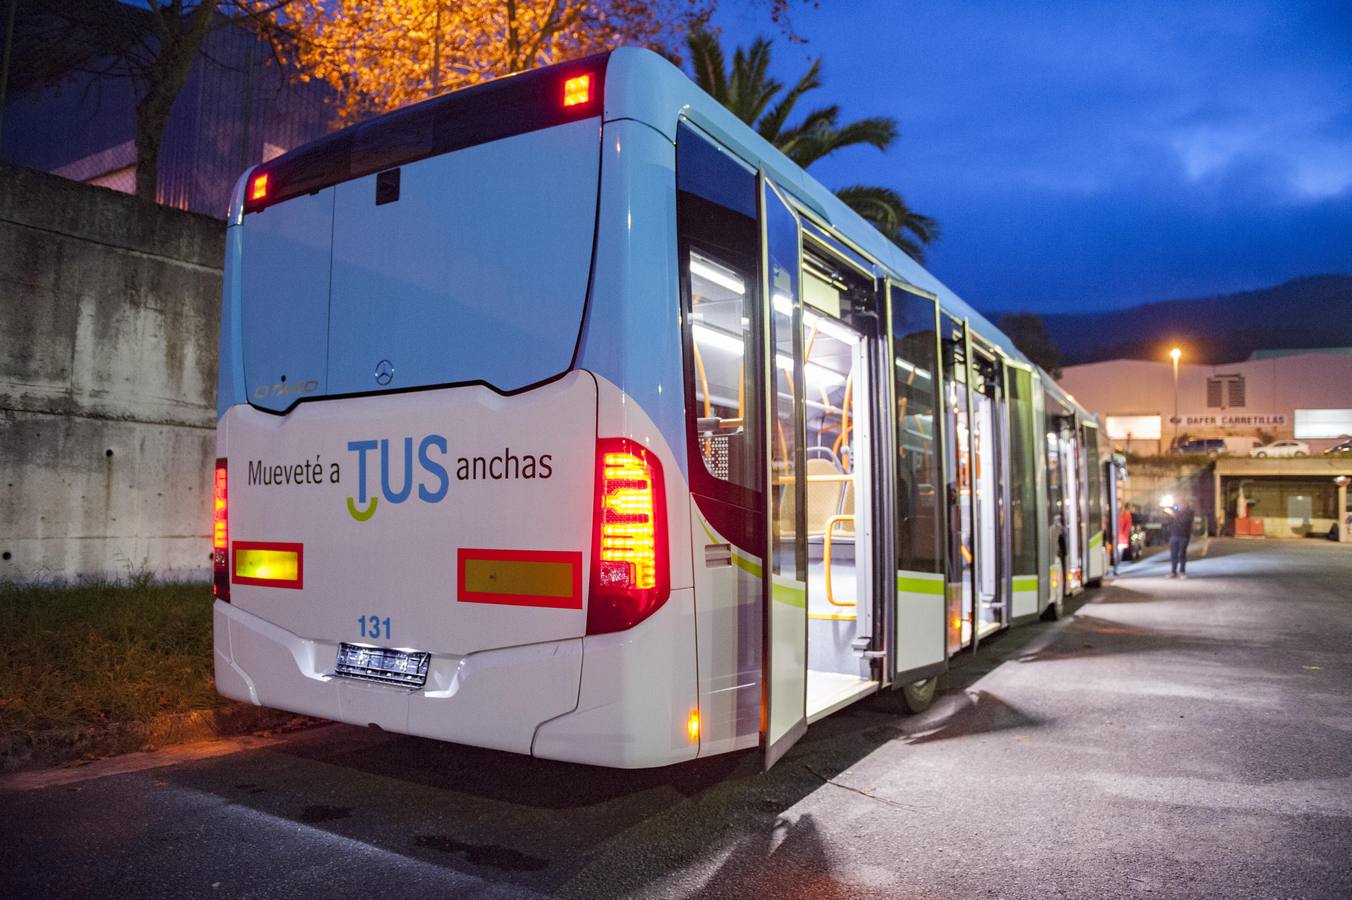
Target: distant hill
(1307,312)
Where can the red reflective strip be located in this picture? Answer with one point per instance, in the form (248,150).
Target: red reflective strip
(572,557)
(299,550)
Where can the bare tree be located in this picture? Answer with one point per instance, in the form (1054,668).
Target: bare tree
(153,47)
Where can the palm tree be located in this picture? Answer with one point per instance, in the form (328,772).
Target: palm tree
(752,96)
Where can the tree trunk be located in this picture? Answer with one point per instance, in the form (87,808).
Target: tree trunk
(180,42)
(152,114)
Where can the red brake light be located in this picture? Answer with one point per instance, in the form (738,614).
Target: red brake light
(258,187)
(630,564)
(577,90)
(220,534)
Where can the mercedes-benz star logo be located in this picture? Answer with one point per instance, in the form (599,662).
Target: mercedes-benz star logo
(384,372)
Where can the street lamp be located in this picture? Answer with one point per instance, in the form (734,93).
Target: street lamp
(1174,354)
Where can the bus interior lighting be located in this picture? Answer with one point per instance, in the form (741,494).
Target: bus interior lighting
(717,274)
(577,90)
(820,375)
(829,327)
(718,339)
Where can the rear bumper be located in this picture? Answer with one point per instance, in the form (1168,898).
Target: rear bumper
(629,707)
(494,698)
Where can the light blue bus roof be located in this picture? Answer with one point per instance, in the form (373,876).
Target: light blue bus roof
(643,86)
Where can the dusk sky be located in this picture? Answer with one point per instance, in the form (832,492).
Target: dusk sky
(1087,153)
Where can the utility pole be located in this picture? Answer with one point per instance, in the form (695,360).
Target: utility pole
(1174,354)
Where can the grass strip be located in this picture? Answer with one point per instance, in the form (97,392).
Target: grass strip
(106,667)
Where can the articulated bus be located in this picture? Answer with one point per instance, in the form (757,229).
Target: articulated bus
(564,415)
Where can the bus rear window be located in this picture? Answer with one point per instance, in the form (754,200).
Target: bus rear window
(481,254)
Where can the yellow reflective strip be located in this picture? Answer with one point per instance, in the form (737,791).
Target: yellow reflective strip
(273,565)
(1025,582)
(518,576)
(832,617)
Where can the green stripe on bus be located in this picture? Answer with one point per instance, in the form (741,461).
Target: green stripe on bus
(1025,583)
(911,585)
(790,595)
(747,565)
(1096,540)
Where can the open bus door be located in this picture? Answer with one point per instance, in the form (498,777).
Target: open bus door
(784,658)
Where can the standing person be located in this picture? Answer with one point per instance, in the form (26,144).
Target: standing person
(1124,523)
(1058,540)
(1180,533)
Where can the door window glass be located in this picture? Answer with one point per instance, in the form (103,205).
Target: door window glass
(1022,482)
(919,491)
(719,246)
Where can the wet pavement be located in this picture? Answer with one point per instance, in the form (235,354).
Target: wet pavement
(1172,739)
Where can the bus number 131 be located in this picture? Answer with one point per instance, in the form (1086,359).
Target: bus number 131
(374,627)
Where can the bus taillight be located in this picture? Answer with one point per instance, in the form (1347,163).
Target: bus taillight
(220,534)
(630,568)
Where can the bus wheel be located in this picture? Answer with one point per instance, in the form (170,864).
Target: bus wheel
(1055,610)
(920,695)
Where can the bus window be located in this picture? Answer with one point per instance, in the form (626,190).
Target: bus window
(1094,477)
(719,240)
(1023,511)
(919,492)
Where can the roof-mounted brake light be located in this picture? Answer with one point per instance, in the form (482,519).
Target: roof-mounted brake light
(577,90)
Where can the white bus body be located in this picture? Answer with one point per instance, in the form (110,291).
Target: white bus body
(565,416)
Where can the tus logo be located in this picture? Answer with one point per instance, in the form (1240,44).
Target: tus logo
(397,476)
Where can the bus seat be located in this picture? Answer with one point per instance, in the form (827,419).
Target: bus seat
(823,497)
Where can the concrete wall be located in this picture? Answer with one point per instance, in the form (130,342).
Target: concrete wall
(108,340)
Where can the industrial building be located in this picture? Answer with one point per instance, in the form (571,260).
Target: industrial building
(1274,395)
(1268,397)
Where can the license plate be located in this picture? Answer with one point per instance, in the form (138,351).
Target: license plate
(406,668)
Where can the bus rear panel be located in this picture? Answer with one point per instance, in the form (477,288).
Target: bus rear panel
(414,502)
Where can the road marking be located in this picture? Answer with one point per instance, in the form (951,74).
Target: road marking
(132,762)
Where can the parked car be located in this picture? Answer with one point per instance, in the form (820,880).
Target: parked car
(1282,448)
(1342,448)
(1212,446)
(1238,446)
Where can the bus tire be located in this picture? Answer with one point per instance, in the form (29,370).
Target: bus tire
(1055,610)
(919,695)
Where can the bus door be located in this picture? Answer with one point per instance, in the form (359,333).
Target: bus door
(1073,507)
(785,665)
(989,461)
(918,492)
(846,390)
(958,458)
(1098,535)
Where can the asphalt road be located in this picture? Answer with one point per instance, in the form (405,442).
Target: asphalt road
(1173,739)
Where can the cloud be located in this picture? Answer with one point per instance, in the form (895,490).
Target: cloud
(1100,151)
